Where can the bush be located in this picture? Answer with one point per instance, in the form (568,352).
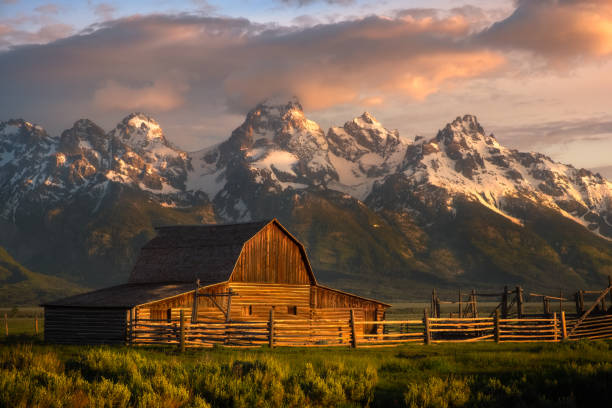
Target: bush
(438,393)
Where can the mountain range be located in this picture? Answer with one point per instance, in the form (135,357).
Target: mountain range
(380,214)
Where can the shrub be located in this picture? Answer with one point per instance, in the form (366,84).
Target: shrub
(436,392)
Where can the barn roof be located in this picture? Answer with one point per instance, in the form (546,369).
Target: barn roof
(124,296)
(185,253)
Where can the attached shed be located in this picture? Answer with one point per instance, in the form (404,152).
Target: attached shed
(235,272)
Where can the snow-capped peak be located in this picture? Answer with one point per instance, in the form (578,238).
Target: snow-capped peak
(366,120)
(139,130)
(145,122)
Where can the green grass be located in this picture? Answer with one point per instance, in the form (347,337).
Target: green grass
(486,375)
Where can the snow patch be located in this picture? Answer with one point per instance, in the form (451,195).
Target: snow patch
(277,159)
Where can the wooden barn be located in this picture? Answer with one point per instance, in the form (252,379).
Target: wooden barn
(210,273)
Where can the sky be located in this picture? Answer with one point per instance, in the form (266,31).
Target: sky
(536,73)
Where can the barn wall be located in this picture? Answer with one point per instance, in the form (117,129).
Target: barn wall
(332,302)
(271,256)
(171,307)
(73,325)
(289,301)
(326,298)
(252,301)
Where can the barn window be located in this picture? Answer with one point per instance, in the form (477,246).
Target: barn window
(292,310)
(169,315)
(247,310)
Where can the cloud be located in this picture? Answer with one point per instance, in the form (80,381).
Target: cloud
(104,10)
(49,8)
(559,132)
(242,63)
(10,34)
(301,3)
(158,96)
(556,30)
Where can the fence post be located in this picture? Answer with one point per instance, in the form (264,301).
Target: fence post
(353,331)
(427,333)
(182,331)
(556,336)
(496,322)
(6,324)
(131,327)
(519,302)
(460,305)
(610,285)
(546,305)
(563,325)
(228,316)
(271,329)
(504,313)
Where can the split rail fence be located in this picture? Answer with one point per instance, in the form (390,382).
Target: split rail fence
(349,332)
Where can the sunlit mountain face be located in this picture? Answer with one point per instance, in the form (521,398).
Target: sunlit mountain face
(371,204)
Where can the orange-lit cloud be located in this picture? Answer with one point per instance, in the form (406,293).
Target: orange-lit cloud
(556,30)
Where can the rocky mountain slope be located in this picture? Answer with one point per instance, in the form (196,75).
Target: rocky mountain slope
(378,212)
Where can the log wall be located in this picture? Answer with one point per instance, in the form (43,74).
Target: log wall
(253,301)
(74,325)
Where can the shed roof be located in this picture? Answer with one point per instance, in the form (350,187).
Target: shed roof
(125,296)
(186,253)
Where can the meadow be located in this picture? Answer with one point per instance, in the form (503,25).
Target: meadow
(35,374)
(572,374)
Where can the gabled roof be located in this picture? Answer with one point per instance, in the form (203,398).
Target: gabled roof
(185,253)
(124,296)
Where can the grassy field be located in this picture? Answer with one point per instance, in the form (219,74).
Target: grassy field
(577,374)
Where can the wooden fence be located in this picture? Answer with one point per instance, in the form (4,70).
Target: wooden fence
(349,332)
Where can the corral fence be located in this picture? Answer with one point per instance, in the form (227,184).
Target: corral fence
(349,332)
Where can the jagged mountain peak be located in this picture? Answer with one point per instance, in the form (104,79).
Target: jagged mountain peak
(88,139)
(283,104)
(466,133)
(85,124)
(15,127)
(139,131)
(278,123)
(273,114)
(466,125)
(367,118)
(362,135)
